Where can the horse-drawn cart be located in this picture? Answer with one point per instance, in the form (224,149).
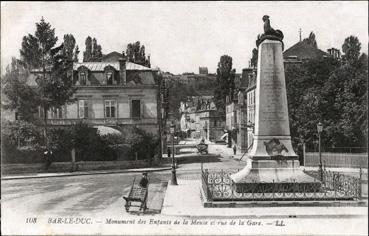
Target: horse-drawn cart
(137,194)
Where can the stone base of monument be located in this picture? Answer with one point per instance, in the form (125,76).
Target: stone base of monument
(279,180)
(275,176)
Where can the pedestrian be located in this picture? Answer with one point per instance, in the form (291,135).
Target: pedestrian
(48,156)
(234,149)
(144,180)
(169,152)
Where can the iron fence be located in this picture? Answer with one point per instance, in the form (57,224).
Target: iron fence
(218,186)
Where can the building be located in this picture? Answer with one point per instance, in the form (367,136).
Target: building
(200,119)
(203,70)
(238,111)
(334,53)
(113,92)
(302,51)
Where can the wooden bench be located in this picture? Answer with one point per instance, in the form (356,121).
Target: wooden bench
(137,194)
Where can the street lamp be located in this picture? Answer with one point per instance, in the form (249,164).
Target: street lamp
(174,177)
(320,129)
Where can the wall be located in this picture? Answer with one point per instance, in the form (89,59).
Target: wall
(344,160)
(8,169)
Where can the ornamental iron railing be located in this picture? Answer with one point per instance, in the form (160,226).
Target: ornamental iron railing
(218,186)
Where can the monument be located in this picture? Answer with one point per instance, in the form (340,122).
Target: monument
(272,158)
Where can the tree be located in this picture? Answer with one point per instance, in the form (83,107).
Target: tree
(325,90)
(69,46)
(136,53)
(76,52)
(93,51)
(254,58)
(96,51)
(351,48)
(20,97)
(225,82)
(311,40)
(87,54)
(54,85)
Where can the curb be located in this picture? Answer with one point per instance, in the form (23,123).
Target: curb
(86,173)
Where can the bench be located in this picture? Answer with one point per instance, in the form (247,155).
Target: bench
(137,194)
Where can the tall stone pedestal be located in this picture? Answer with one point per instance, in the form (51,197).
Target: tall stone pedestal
(272,128)
(272,161)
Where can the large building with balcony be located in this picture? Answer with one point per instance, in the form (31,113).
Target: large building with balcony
(113,92)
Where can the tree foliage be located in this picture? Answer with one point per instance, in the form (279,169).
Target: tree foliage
(54,83)
(93,51)
(225,82)
(334,93)
(36,49)
(20,97)
(254,58)
(136,53)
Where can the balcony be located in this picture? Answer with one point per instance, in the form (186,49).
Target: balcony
(103,121)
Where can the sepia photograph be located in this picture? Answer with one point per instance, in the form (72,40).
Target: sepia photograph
(184,118)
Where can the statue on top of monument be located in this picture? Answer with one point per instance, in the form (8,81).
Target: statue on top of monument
(269,32)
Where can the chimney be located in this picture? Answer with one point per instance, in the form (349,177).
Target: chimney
(123,69)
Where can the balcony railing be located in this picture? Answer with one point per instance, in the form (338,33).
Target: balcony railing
(104,121)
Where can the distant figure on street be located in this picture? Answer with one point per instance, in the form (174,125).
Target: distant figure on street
(202,141)
(234,149)
(48,158)
(144,181)
(168,151)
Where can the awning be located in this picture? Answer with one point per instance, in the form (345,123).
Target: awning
(105,130)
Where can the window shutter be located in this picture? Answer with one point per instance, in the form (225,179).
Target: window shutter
(80,108)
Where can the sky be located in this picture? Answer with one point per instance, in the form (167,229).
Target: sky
(182,36)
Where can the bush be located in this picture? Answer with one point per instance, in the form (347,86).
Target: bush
(142,143)
(21,142)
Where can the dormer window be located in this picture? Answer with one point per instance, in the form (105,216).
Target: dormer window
(109,78)
(82,78)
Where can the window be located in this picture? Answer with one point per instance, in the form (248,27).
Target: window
(136,109)
(109,78)
(110,109)
(82,78)
(57,113)
(83,108)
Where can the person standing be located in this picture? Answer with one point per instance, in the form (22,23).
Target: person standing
(169,152)
(144,180)
(234,149)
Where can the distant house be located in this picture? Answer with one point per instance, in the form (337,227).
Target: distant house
(239,122)
(203,71)
(200,119)
(113,92)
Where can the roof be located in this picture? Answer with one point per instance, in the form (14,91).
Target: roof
(99,66)
(303,50)
(113,56)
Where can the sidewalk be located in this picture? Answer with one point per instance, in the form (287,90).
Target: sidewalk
(184,200)
(78,173)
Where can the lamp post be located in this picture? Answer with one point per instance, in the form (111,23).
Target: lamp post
(320,129)
(174,177)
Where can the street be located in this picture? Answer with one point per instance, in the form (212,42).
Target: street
(92,194)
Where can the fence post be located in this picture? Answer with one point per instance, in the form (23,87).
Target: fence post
(303,153)
(360,181)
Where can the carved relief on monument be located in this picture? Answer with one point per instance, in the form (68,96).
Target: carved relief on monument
(275,148)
